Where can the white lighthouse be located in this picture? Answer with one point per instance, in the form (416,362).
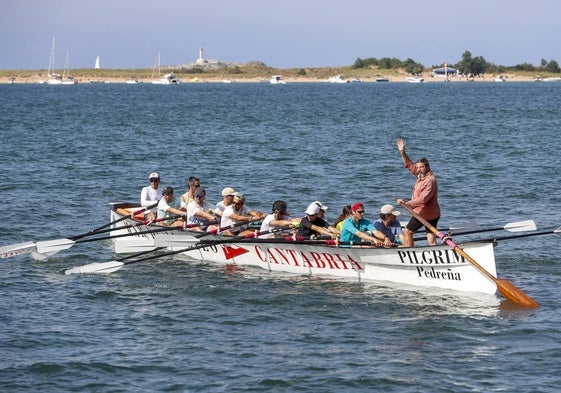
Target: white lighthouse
(201,59)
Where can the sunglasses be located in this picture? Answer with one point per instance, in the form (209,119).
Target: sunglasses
(359,211)
(154,180)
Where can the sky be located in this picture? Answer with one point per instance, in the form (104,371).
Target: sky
(281,34)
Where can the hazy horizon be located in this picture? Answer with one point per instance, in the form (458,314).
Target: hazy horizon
(291,34)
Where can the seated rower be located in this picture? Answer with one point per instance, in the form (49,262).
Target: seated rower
(388,226)
(200,212)
(312,225)
(170,206)
(150,195)
(237,213)
(277,219)
(357,229)
(227,199)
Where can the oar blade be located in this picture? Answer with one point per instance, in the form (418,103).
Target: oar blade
(521,226)
(511,292)
(96,268)
(13,250)
(50,247)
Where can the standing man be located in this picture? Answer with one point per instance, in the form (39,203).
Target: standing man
(424,200)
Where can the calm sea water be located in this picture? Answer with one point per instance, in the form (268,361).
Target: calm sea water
(173,326)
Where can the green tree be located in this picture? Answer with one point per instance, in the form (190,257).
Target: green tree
(412,67)
(301,71)
(464,66)
(472,65)
(552,66)
(359,63)
(524,67)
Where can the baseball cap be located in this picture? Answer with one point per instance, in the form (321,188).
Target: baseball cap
(167,190)
(357,206)
(239,196)
(199,192)
(321,205)
(312,209)
(389,209)
(154,175)
(228,191)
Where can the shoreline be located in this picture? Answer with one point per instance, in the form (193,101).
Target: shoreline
(91,80)
(19,77)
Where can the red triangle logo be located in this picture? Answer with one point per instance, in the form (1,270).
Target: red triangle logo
(232,252)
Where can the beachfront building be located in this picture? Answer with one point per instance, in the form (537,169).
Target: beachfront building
(444,72)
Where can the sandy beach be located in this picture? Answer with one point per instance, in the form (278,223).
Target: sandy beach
(37,77)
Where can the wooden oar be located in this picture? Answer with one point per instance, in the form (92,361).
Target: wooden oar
(113,266)
(29,247)
(519,226)
(505,287)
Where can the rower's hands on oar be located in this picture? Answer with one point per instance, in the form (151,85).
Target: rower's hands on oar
(387,242)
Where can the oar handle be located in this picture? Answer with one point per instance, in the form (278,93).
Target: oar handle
(99,229)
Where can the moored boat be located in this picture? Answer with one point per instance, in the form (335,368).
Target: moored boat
(276,80)
(338,79)
(414,79)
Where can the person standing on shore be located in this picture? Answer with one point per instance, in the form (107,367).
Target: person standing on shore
(424,199)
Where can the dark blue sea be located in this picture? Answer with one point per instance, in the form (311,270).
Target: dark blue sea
(169,325)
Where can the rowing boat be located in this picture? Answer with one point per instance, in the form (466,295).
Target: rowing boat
(422,266)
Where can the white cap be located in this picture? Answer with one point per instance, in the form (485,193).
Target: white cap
(321,205)
(154,175)
(389,209)
(312,209)
(228,191)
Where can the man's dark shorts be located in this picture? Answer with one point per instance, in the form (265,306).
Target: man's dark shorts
(414,225)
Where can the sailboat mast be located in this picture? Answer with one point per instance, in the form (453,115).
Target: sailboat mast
(52,59)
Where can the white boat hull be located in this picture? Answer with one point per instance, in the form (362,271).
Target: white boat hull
(437,266)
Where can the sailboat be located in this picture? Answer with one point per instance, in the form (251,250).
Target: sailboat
(167,79)
(66,78)
(57,79)
(53,79)
(96,66)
